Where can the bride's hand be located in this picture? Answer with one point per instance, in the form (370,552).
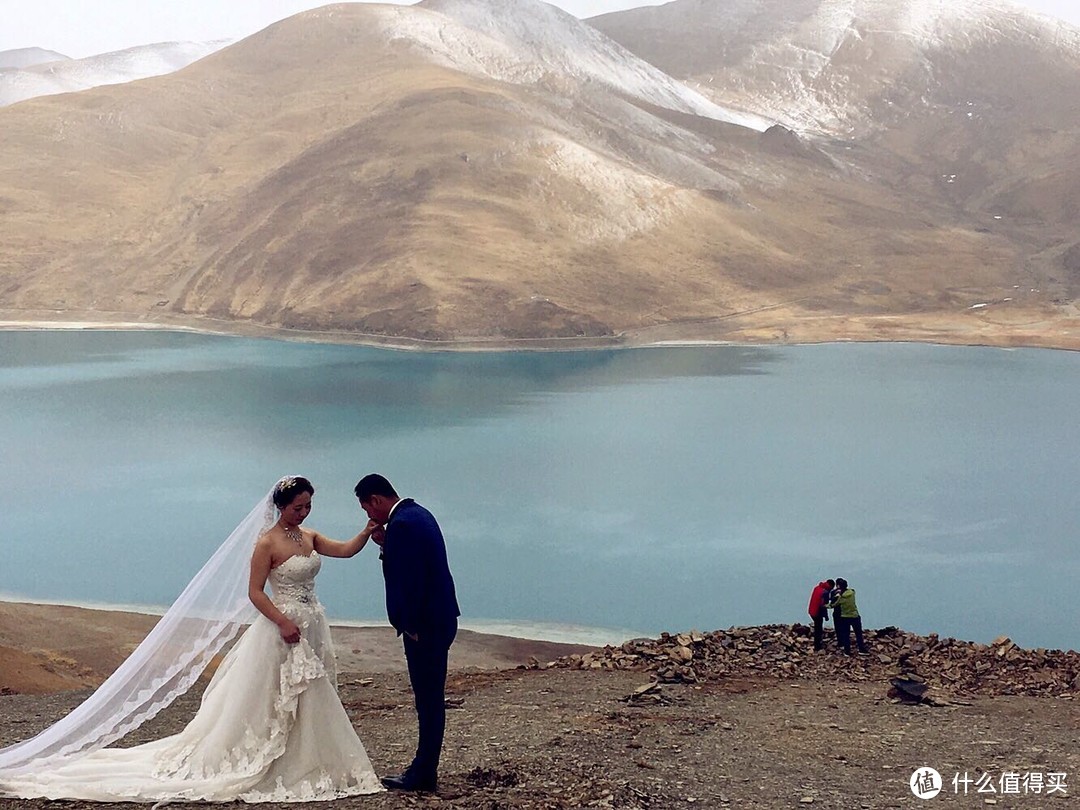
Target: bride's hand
(378,533)
(290,632)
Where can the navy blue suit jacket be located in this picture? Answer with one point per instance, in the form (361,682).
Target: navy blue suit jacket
(420,596)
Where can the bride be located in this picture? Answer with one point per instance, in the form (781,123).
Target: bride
(270,728)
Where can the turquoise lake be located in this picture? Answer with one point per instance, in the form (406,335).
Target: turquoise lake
(591,495)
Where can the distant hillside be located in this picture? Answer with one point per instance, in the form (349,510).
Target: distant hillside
(27,57)
(972,103)
(488,170)
(43,75)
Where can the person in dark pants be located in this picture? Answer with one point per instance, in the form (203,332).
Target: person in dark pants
(819,610)
(849,618)
(833,596)
(421,604)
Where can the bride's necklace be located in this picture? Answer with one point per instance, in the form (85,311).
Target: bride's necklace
(293,533)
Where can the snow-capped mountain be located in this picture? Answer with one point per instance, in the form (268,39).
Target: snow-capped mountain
(827,65)
(28,57)
(953,95)
(532,42)
(43,77)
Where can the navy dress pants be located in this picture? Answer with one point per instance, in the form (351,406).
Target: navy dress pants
(427,659)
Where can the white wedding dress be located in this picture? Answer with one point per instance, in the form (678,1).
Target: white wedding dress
(271,727)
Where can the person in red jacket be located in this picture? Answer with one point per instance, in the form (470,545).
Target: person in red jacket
(819,610)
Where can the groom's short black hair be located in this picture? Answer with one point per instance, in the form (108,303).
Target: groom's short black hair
(373,484)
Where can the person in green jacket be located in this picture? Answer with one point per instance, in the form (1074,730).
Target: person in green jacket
(848,618)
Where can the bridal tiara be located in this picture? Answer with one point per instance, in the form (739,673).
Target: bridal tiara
(285,483)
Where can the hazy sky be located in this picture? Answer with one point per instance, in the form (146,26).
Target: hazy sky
(80,28)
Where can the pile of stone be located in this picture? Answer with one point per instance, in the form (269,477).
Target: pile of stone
(786,651)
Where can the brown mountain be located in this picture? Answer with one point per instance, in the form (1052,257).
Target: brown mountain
(490,170)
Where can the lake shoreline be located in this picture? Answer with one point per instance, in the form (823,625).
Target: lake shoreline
(984,328)
(522,630)
(48,648)
(584,637)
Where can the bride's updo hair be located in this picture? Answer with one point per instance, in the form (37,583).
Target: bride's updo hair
(286,490)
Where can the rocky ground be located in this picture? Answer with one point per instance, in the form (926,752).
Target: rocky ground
(913,665)
(780,727)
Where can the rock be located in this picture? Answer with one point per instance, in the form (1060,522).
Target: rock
(907,690)
(782,651)
(683,653)
(641,690)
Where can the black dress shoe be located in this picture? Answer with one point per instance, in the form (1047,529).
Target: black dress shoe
(406,782)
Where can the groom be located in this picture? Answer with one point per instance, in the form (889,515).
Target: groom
(422,607)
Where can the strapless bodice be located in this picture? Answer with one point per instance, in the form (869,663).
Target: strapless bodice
(293,582)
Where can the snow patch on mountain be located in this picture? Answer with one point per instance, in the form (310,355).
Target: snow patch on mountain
(529,42)
(28,57)
(118,67)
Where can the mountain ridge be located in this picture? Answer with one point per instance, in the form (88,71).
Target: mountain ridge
(64,75)
(19,58)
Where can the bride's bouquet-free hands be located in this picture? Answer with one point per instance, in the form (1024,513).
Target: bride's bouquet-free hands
(290,631)
(378,533)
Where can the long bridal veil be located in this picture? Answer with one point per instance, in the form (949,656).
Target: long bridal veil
(207,615)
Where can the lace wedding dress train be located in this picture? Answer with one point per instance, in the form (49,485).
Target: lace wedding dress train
(270,728)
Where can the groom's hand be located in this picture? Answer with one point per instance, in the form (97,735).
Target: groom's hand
(378,534)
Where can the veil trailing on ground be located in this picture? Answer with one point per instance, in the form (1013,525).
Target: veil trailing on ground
(210,612)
